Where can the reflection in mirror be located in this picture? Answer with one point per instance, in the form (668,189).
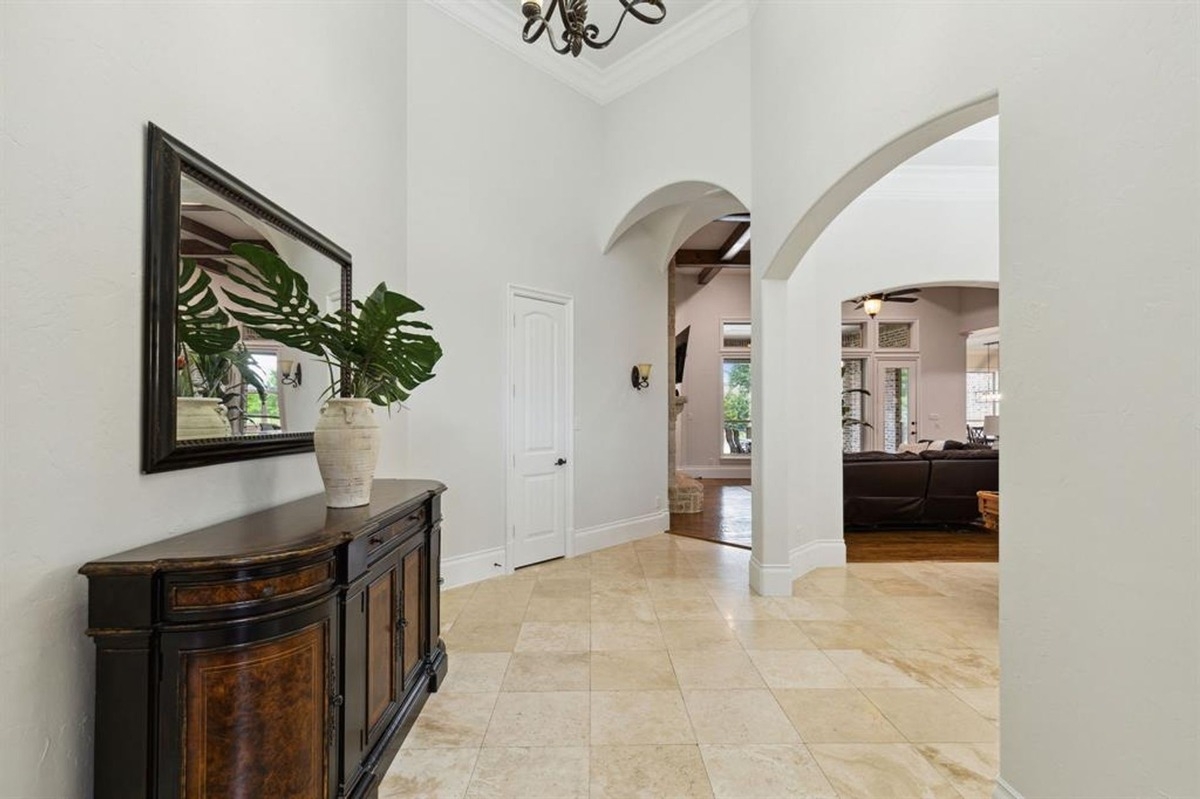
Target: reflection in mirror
(230,383)
(213,391)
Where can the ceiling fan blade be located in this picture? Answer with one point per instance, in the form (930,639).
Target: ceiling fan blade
(902,299)
(899,292)
(856,307)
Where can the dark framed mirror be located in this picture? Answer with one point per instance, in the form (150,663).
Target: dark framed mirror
(213,392)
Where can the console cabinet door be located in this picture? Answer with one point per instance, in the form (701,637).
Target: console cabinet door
(252,719)
(412,616)
(373,631)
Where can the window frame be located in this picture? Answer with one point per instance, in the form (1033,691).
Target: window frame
(725,353)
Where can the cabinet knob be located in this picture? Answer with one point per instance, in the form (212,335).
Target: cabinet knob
(401,623)
(268,591)
(338,700)
(375,540)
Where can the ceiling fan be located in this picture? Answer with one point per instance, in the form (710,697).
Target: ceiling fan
(873,303)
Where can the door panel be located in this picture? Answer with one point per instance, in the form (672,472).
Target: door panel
(540,420)
(381,643)
(411,617)
(896,404)
(255,718)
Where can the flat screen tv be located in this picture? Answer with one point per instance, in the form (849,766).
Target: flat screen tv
(681,341)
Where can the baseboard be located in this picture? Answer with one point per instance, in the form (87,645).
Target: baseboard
(770,580)
(602,536)
(472,567)
(738,472)
(817,554)
(1005,791)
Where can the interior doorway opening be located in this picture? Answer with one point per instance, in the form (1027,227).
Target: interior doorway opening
(712,432)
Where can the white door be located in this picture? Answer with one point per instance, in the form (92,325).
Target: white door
(895,403)
(539,476)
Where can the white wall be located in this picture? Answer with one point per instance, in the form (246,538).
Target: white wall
(306,104)
(942,348)
(688,124)
(502,164)
(725,297)
(1100,171)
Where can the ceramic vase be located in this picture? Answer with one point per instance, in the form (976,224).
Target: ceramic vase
(346,440)
(200,417)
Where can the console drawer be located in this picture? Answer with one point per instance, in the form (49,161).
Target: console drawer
(220,593)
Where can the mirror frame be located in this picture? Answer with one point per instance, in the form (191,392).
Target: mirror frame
(168,159)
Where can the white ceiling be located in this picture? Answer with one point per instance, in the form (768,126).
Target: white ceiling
(639,53)
(605,14)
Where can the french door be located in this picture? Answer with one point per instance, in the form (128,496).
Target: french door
(895,396)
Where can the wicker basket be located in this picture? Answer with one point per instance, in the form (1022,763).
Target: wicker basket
(989,508)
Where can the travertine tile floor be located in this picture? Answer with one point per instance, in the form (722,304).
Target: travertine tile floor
(649,670)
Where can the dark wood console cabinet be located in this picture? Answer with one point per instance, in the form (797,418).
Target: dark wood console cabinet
(282,655)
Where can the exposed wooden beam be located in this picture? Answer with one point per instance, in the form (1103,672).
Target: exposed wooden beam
(707,274)
(736,242)
(735,218)
(216,237)
(710,258)
(217,267)
(195,248)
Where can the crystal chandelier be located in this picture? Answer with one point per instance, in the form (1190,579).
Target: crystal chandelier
(576,30)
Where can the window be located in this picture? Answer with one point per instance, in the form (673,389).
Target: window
(262,413)
(736,406)
(896,336)
(853,406)
(735,335)
(982,388)
(854,335)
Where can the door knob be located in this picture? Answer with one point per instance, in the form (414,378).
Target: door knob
(561,462)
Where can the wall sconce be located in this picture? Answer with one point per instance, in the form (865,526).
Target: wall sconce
(289,373)
(641,376)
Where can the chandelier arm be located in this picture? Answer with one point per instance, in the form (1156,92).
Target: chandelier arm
(591,32)
(542,26)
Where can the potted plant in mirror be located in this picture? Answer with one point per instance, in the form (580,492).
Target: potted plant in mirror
(382,356)
(212,366)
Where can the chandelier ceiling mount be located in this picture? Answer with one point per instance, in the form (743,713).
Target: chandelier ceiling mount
(576,30)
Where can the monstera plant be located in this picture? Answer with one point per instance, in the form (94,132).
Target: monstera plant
(382,355)
(211,362)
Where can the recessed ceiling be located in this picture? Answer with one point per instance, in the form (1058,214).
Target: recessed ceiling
(604,14)
(639,53)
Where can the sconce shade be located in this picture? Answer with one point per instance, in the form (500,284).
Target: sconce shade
(285,367)
(641,376)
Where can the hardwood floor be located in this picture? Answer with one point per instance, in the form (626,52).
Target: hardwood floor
(980,546)
(726,520)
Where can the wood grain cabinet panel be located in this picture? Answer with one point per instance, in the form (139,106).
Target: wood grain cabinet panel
(255,721)
(381,646)
(283,655)
(224,594)
(412,651)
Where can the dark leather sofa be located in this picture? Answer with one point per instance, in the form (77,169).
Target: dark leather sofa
(935,487)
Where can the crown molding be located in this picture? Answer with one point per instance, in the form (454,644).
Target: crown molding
(697,32)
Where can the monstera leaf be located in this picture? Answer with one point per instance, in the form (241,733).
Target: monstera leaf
(382,354)
(385,358)
(276,304)
(200,323)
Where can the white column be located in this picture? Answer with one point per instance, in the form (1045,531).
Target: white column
(770,567)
